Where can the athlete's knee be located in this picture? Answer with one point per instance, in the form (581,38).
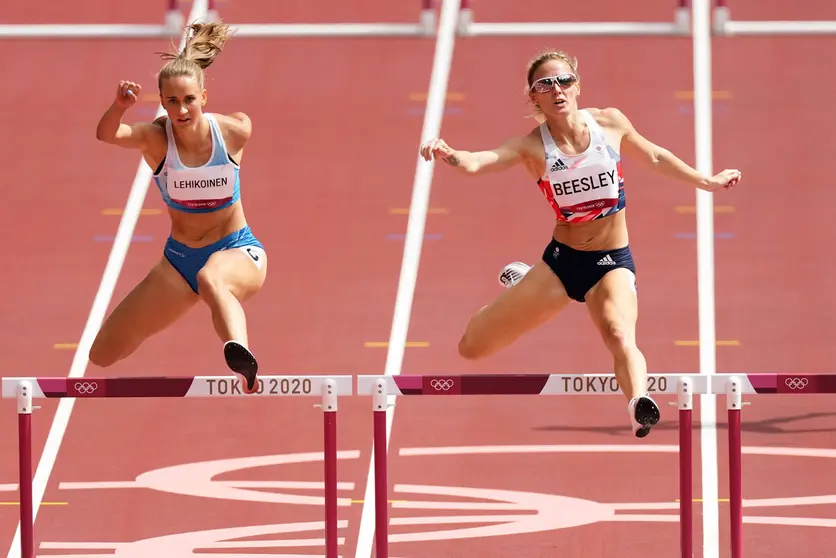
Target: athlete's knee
(210,282)
(468,349)
(103,354)
(471,347)
(617,338)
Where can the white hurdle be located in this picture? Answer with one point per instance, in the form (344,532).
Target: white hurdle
(174,21)
(426,26)
(171,27)
(680,26)
(724,25)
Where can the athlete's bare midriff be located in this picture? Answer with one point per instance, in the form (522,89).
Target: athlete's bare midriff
(607,233)
(196,230)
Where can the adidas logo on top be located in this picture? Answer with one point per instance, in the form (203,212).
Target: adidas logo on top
(559,165)
(606,260)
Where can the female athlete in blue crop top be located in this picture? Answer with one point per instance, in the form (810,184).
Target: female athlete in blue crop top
(211,254)
(575,157)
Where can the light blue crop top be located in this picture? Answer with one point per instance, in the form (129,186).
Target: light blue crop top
(209,187)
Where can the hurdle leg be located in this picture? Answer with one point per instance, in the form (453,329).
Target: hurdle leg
(734,404)
(174,18)
(380,404)
(212,13)
(721,16)
(685,403)
(682,14)
(427,19)
(329,412)
(24,422)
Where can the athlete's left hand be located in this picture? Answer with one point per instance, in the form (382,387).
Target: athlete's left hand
(725,179)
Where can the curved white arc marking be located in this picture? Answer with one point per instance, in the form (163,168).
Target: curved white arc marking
(793,501)
(644,506)
(645,518)
(514,512)
(184,545)
(454,519)
(553,512)
(290,485)
(195,479)
(426,505)
(791,521)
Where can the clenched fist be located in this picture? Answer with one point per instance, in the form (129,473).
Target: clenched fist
(127,93)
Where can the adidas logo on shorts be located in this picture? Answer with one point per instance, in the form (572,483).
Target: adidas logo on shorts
(606,260)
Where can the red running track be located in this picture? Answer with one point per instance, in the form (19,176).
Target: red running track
(317,320)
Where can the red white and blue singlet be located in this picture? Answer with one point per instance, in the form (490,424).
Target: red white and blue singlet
(583,187)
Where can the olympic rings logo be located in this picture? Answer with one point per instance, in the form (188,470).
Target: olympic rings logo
(441,385)
(796,383)
(86,388)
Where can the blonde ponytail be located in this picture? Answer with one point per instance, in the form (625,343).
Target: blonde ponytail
(204,43)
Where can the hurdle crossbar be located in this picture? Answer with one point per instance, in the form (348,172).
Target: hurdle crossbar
(425,27)
(680,26)
(171,27)
(724,25)
(27,389)
(174,22)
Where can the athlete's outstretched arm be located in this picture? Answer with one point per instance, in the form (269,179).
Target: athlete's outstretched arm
(661,159)
(112,130)
(475,162)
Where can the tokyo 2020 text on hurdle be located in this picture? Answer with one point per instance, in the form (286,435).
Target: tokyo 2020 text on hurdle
(383,389)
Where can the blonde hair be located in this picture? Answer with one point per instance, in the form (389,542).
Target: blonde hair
(538,61)
(204,43)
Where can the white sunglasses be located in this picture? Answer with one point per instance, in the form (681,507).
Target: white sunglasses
(546,84)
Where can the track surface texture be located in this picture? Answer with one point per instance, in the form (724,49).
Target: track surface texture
(329,172)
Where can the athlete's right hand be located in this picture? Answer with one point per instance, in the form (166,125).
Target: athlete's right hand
(127,93)
(436,148)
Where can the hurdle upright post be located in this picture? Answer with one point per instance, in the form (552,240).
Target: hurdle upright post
(380,404)
(734,405)
(174,18)
(465,17)
(685,403)
(329,411)
(24,422)
(720,16)
(427,18)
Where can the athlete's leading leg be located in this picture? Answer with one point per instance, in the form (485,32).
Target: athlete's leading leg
(613,306)
(160,299)
(229,278)
(535,299)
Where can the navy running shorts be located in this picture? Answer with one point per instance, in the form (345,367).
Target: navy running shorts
(189,261)
(580,270)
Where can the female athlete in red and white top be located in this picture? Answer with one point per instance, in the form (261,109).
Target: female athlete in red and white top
(575,156)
